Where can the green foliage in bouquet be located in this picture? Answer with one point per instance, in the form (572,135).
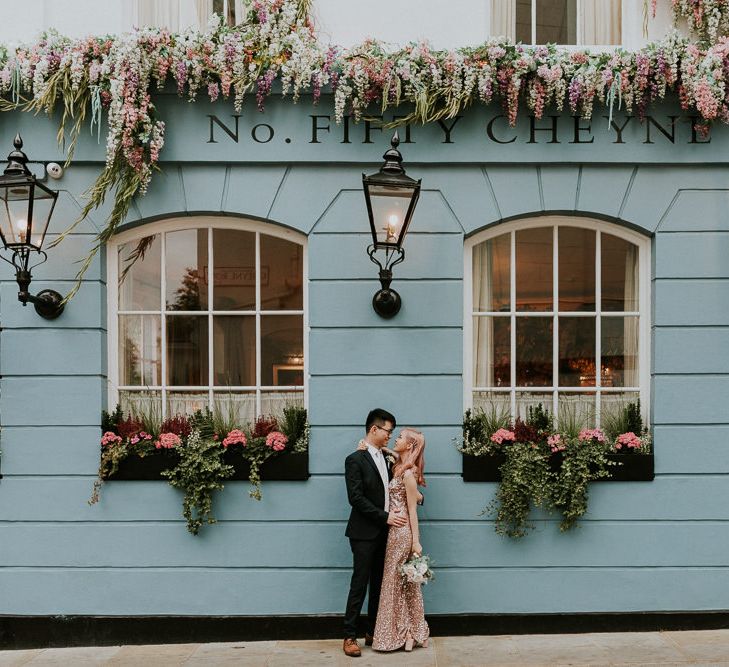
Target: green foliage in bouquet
(198,474)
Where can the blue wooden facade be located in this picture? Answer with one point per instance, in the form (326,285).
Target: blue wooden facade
(651,546)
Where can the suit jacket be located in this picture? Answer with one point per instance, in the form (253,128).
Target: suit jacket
(366,495)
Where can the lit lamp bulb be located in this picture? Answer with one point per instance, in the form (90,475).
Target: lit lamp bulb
(22,227)
(391,228)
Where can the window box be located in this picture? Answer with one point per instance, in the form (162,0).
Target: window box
(633,468)
(292,466)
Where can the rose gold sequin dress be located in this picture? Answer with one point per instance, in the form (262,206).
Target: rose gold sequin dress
(400,613)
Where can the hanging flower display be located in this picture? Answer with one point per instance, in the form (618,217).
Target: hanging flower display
(118,76)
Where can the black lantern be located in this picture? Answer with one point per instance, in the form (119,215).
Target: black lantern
(391,197)
(26,206)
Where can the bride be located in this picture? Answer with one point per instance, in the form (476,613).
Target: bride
(400,616)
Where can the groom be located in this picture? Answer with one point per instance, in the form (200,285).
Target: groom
(367,475)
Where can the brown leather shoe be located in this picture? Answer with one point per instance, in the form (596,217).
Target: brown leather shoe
(351,648)
(368,639)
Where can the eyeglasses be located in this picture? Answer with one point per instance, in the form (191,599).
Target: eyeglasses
(387,430)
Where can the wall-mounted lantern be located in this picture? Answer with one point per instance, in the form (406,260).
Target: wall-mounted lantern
(26,206)
(391,197)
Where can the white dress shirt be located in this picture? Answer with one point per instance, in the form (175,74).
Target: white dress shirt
(382,467)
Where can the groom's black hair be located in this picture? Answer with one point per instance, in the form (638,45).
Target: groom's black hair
(379,416)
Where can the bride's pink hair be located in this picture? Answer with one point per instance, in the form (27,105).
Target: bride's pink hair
(415,458)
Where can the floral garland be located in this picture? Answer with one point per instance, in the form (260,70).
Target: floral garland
(707,19)
(118,75)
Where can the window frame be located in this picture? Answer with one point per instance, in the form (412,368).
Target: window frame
(643,243)
(208,222)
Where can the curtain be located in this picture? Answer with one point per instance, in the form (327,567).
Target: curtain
(204,9)
(503,18)
(601,22)
(483,343)
(159,14)
(630,326)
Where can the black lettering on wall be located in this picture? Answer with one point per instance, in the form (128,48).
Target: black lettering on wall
(214,120)
(368,128)
(262,136)
(447,129)
(650,121)
(533,129)
(315,127)
(578,129)
(492,136)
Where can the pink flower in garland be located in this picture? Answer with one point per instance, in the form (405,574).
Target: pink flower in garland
(168,441)
(629,440)
(235,437)
(276,441)
(502,435)
(109,438)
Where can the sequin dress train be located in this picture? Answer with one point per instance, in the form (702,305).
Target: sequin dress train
(401,612)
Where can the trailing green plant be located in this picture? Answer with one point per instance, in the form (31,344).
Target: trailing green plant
(583,461)
(199,473)
(525,484)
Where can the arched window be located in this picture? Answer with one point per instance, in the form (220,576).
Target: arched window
(212,314)
(557,313)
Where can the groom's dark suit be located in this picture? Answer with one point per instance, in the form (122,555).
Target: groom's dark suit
(367,532)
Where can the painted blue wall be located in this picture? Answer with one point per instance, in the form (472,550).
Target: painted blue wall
(643,546)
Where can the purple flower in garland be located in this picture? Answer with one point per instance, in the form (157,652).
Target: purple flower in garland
(263,87)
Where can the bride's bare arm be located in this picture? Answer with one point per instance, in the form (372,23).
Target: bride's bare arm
(411,491)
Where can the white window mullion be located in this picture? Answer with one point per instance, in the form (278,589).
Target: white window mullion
(211,328)
(555,322)
(512,317)
(163,319)
(534,21)
(598,328)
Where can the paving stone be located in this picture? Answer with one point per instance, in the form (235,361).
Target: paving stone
(701,644)
(162,655)
(17,658)
(78,657)
(467,651)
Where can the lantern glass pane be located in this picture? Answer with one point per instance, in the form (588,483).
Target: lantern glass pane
(389,207)
(15,221)
(43,204)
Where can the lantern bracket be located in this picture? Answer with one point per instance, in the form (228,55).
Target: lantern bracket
(48,303)
(386,301)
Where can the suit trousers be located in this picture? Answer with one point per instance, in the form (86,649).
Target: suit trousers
(368,558)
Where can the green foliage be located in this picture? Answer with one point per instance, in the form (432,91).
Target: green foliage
(111,457)
(150,416)
(109,420)
(198,474)
(294,426)
(480,425)
(570,421)
(223,419)
(569,487)
(539,419)
(623,419)
(525,483)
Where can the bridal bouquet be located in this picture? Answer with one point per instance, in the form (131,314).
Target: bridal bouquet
(416,570)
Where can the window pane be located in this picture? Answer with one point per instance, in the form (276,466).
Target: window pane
(576,411)
(619,274)
(492,351)
(495,402)
(140,288)
(526,400)
(576,352)
(523,21)
(576,269)
(141,403)
(234,349)
(140,350)
(186,402)
(557,21)
(186,263)
(187,350)
(619,351)
(491,277)
(282,350)
(234,254)
(534,269)
(274,402)
(533,351)
(234,408)
(282,271)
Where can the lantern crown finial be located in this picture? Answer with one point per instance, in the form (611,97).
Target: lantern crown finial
(392,157)
(17,159)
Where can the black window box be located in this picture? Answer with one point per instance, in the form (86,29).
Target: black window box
(292,466)
(633,468)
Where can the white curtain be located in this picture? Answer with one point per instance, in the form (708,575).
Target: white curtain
(483,327)
(159,14)
(630,326)
(503,18)
(601,22)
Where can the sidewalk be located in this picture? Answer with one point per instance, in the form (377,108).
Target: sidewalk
(705,647)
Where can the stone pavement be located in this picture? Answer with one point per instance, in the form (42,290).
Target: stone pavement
(704,647)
